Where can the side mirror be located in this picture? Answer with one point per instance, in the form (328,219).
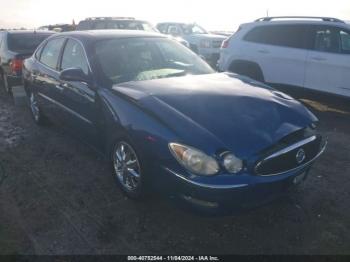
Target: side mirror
(74,74)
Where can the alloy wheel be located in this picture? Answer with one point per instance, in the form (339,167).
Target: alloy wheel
(127,167)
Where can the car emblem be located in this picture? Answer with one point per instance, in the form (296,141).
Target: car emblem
(300,156)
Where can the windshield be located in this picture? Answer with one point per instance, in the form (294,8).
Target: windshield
(131,25)
(137,59)
(193,29)
(25,42)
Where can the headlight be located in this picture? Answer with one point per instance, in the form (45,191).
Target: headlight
(232,163)
(194,160)
(205,44)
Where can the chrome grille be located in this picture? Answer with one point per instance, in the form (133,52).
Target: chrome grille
(288,158)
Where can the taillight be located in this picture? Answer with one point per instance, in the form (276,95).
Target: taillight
(16,65)
(225,43)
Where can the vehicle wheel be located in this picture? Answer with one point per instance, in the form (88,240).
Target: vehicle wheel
(37,114)
(128,170)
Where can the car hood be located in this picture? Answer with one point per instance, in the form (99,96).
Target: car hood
(222,111)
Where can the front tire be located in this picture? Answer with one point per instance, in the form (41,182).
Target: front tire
(128,170)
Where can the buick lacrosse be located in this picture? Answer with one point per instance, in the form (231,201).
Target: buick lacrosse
(165,120)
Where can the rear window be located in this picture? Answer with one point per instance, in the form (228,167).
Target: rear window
(25,42)
(280,35)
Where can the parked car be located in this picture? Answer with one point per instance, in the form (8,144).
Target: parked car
(15,46)
(125,23)
(165,120)
(203,43)
(306,52)
(59,27)
(122,23)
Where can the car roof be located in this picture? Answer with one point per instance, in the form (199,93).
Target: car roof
(295,22)
(99,19)
(110,33)
(30,32)
(287,20)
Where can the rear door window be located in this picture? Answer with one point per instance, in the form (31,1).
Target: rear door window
(74,56)
(51,52)
(279,35)
(38,51)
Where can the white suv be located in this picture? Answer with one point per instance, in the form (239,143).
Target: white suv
(310,52)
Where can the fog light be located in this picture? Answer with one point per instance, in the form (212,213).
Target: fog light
(232,163)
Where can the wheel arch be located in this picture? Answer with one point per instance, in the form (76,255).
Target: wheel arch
(247,68)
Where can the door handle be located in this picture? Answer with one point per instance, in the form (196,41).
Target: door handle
(263,51)
(318,58)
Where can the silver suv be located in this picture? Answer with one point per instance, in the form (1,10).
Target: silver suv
(201,41)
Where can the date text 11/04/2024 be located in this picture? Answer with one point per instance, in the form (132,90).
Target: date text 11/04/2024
(173,258)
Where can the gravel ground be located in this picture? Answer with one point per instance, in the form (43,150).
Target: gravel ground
(58,197)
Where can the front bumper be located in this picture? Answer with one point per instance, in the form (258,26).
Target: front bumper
(234,198)
(233,193)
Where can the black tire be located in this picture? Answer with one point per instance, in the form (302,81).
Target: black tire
(248,69)
(36,112)
(140,191)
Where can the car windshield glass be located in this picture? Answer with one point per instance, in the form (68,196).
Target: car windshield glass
(25,42)
(193,29)
(140,59)
(131,25)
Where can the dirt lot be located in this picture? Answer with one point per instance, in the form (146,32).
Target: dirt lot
(57,197)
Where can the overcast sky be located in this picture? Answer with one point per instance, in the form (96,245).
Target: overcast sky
(211,14)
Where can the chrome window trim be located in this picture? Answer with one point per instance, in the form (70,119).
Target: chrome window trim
(66,108)
(82,46)
(44,45)
(62,52)
(291,148)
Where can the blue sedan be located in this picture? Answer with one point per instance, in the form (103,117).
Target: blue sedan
(166,121)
